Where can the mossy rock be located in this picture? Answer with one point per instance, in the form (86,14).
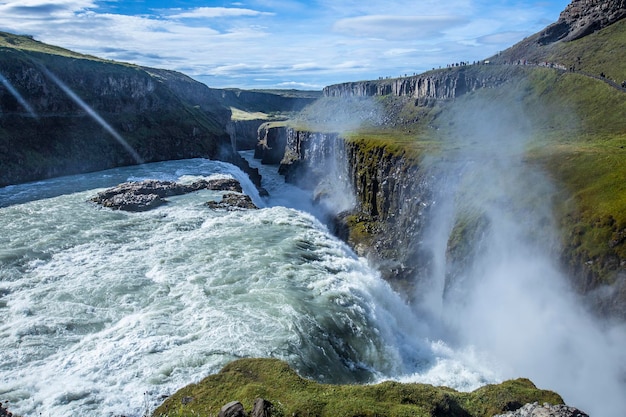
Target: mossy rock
(245,380)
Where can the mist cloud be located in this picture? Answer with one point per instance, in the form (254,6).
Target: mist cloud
(501,290)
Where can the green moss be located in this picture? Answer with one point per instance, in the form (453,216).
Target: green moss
(247,379)
(362,230)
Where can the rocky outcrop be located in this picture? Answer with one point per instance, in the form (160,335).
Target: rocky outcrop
(434,85)
(545,410)
(4,412)
(232,409)
(583,17)
(270,146)
(261,408)
(232,201)
(244,133)
(148,194)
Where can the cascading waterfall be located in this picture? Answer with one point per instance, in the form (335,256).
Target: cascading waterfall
(103,312)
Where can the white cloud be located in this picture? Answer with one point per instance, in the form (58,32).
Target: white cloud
(399,51)
(298,85)
(271,42)
(397,27)
(502,38)
(214,12)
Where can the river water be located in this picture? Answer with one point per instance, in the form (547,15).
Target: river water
(104,312)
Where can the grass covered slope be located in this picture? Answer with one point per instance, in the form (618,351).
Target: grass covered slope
(245,380)
(27,43)
(581,142)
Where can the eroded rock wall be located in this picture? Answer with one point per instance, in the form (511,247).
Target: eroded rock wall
(49,123)
(435,85)
(244,133)
(392,197)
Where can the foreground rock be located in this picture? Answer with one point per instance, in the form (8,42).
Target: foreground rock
(232,201)
(232,409)
(4,412)
(545,410)
(148,194)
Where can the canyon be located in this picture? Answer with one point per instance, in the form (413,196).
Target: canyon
(401,168)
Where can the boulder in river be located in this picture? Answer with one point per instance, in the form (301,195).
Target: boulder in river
(233,201)
(148,194)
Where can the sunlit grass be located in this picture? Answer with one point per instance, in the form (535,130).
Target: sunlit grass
(27,43)
(237,114)
(247,379)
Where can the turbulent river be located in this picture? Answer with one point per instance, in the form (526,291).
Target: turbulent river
(102,313)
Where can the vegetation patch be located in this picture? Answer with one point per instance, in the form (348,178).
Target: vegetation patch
(247,379)
(237,114)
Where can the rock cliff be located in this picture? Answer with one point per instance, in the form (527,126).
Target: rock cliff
(392,196)
(64,113)
(582,17)
(434,85)
(244,133)
(267,101)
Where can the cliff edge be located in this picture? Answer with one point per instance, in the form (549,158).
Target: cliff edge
(581,18)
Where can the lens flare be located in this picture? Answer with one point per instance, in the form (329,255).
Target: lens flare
(18,96)
(95,116)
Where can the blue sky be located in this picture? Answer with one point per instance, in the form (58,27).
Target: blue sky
(282,43)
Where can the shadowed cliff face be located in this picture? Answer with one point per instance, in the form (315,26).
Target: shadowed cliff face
(62,115)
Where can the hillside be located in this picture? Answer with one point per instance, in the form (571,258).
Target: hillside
(290,395)
(567,97)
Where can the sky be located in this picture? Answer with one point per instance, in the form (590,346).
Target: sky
(282,43)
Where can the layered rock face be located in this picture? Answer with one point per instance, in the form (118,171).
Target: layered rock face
(392,196)
(439,85)
(63,115)
(244,133)
(270,144)
(583,17)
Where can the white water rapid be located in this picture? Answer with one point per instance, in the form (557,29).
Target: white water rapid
(103,312)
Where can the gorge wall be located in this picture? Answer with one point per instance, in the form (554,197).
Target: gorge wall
(435,85)
(65,115)
(395,203)
(393,197)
